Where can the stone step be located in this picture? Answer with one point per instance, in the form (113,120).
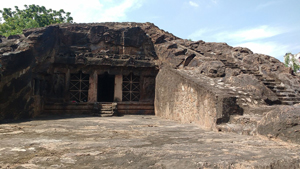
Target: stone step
(106,109)
(233,67)
(106,112)
(106,106)
(285,95)
(269,80)
(106,115)
(254,71)
(271,87)
(230,64)
(271,83)
(280,87)
(251,72)
(289,98)
(281,91)
(289,102)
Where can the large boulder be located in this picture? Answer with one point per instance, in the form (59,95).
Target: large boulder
(232,72)
(250,84)
(212,69)
(290,81)
(282,123)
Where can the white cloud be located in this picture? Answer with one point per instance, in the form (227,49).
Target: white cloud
(257,33)
(238,36)
(265,5)
(198,34)
(194,4)
(201,33)
(85,11)
(256,39)
(118,12)
(214,1)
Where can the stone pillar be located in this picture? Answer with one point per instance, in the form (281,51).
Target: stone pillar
(93,81)
(118,88)
(68,75)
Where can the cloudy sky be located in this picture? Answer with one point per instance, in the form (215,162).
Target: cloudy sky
(265,26)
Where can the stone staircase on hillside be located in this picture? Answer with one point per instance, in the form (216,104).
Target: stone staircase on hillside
(285,96)
(229,64)
(246,124)
(105,109)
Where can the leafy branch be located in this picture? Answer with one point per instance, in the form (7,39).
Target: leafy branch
(33,16)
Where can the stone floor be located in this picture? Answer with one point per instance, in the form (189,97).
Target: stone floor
(135,142)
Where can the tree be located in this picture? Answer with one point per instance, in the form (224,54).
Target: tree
(290,60)
(287,59)
(33,16)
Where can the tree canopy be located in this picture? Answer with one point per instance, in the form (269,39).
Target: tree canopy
(290,60)
(33,16)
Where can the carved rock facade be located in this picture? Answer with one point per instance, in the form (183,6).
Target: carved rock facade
(75,68)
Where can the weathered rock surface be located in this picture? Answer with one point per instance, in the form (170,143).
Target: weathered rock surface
(251,85)
(135,142)
(210,84)
(43,53)
(28,56)
(212,69)
(236,77)
(282,123)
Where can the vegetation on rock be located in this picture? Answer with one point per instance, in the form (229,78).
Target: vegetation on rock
(292,61)
(33,16)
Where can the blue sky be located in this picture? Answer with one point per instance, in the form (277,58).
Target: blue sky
(265,26)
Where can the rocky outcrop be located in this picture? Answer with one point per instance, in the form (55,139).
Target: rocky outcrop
(281,123)
(38,56)
(251,85)
(21,56)
(212,69)
(31,63)
(214,85)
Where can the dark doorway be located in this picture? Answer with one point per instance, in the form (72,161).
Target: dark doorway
(106,87)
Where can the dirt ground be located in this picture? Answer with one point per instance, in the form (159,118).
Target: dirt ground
(135,142)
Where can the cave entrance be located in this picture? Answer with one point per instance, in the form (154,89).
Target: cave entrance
(106,86)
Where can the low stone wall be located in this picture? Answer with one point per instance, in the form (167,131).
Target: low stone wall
(123,108)
(135,108)
(180,98)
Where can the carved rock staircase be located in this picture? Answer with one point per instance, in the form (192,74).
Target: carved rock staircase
(285,96)
(105,109)
(246,124)
(229,64)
